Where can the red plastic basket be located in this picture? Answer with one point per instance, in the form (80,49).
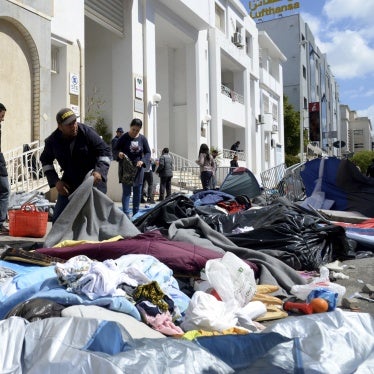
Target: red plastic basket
(27,222)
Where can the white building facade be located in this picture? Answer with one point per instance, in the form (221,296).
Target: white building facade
(308,80)
(191,70)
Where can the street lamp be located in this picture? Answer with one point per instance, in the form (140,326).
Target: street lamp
(156,98)
(204,123)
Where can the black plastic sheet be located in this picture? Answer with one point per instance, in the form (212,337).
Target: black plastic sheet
(297,237)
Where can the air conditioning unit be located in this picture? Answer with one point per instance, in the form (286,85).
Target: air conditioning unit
(274,130)
(237,39)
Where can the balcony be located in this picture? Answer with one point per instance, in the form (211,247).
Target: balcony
(234,96)
(232,106)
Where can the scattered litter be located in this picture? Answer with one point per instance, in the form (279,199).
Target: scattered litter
(368,288)
(335,266)
(350,303)
(339,275)
(359,296)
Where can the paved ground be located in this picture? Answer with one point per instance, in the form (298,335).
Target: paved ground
(360,272)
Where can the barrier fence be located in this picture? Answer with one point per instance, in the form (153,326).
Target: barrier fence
(281,181)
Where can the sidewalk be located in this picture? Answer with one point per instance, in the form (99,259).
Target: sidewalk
(360,271)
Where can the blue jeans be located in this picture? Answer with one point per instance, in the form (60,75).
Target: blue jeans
(61,203)
(4,198)
(137,195)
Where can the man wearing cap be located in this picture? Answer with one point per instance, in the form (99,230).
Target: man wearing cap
(119,133)
(78,150)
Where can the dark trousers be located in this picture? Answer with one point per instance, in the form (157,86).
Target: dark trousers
(165,185)
(148,185)
(205,177)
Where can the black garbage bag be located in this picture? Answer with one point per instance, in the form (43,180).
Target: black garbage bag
(165,212)
(298,237)
(36,309)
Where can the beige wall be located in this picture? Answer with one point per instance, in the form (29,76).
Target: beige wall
(15,87)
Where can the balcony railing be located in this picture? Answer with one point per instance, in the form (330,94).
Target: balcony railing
(234,96)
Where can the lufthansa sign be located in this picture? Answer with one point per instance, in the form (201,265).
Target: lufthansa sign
(265,8)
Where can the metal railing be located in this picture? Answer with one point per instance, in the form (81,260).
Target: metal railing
(227,153)
(281,181)
(188,177)
(25,172)
(24,168)
(234,96)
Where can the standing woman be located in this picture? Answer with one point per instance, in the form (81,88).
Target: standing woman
(133,154)
(206,163)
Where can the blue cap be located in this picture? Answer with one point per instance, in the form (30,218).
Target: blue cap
(120,129)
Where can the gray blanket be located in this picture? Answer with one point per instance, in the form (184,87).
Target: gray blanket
(90,215)
(272,271)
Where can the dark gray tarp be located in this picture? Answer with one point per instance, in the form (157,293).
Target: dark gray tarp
(241,181)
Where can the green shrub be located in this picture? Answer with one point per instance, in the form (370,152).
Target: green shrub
(291,160)
(102,129)
(363,159)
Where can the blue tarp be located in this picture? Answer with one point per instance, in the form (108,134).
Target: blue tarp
(343,183)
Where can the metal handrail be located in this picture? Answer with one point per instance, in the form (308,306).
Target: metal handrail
(25,172)
(188,177)
(233,95)
(227,153)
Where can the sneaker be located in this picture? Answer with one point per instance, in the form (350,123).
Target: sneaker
(151,201)
(4,230)
(142,201)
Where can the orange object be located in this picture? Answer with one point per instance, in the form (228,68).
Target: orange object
(305,308)
(27,222)
(214,293)
(319,305)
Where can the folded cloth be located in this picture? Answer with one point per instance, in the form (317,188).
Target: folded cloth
(29,257)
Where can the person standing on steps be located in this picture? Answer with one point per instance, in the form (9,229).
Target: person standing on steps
(206,163)
(147,195)
(133,153)
(165,171)
(213,181)
(234,163)
(4,183)
(119,133)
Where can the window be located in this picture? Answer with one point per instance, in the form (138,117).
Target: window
(304,72)
(266,104)
(54,60)
(275,112)
(220,18)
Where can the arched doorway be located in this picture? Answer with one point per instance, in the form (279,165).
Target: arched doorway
(19,85)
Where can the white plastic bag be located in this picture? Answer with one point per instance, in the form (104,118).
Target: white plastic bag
(205,312)
(232,278)
(323,281)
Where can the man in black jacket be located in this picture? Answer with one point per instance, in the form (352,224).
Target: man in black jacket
(79,150)
(4,183)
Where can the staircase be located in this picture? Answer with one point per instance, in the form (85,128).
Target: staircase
(186,174)
(25,173)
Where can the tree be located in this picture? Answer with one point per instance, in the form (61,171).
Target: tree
(363,159)
(94,117)
(291,129)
